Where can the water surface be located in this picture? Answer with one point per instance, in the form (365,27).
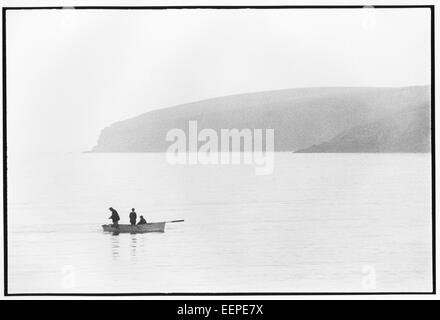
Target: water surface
(320,222)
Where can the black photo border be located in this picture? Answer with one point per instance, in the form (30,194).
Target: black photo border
(228,7)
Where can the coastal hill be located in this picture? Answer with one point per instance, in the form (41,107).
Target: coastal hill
(406,131)
(333,119)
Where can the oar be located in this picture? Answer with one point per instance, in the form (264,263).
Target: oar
(175,221)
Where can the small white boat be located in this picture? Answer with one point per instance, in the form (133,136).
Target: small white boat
(141,228)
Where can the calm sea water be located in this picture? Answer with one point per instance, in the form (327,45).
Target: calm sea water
(320,222)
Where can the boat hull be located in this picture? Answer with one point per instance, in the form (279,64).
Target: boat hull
(143,228)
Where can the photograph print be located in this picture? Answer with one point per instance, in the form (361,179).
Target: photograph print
(218,150)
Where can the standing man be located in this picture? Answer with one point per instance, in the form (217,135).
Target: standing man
(114,217)
(133,217)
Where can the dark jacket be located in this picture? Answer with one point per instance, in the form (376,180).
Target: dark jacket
(114,216)
(133,216)
(142,221)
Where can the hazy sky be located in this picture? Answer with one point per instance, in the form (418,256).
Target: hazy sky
(72,72)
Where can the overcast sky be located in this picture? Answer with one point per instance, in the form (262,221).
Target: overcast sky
(72,72)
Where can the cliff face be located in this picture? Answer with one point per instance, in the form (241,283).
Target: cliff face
(406,131)
(305,120)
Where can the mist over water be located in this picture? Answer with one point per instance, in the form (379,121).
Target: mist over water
(320,222)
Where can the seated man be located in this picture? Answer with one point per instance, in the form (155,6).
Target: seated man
(142,220)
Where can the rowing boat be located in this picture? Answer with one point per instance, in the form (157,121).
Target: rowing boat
(141,228)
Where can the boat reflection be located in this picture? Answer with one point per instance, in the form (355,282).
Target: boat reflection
(115,243)
(133,245)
